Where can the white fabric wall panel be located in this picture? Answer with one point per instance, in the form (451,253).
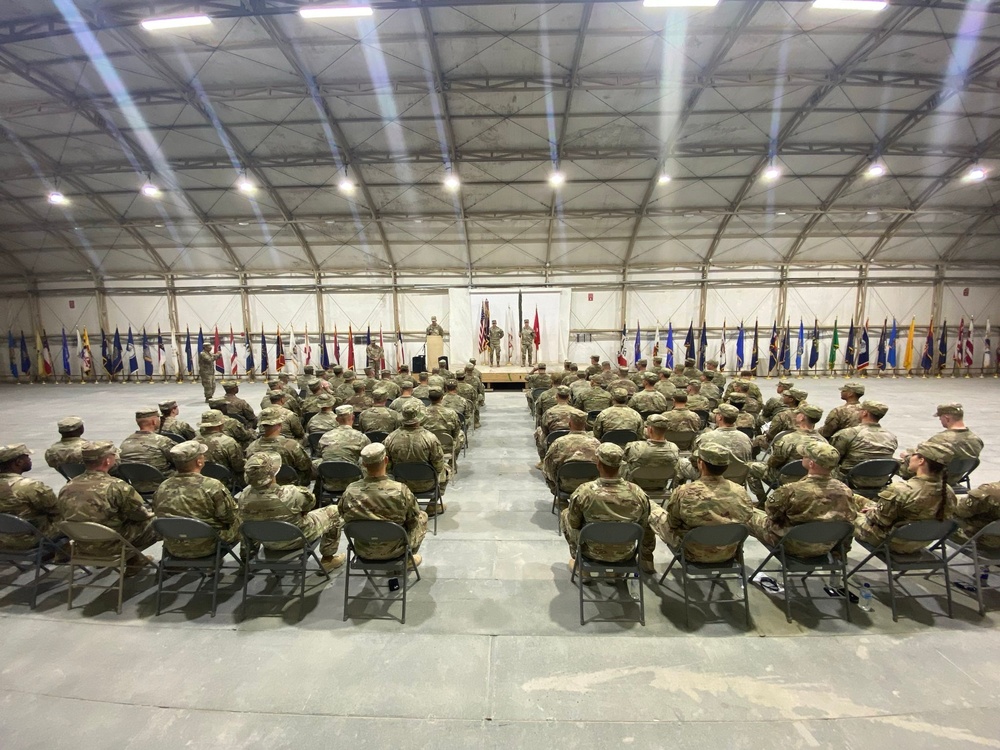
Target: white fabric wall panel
(209,311)
(138,311)
(553,320)
(981,303)
(416,309)
(731,305)
(57,314)
(650,308)
(899,302)
(603,311)
(460,344)
(826,303)
(295,311)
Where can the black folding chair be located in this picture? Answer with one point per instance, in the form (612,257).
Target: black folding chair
(314,438)
(307,416)
(465,431)
(834,533)
(257,558)
(980,556)
(655,481)
(70,470)
(189,529)
(553,436)
(793,471)
(287,475)
(721,535)
(377,532)
(222,473)
(932,558)
(239,418)
(35,558)
(592,417)
(174,436)
(704,414)
(576,472)
(750,432)
(959,471)
(620,437)
(409,473)
(138,475)
(333,471)
(874,468)
(683,439)
(586,567)
(88,532)
(376,436)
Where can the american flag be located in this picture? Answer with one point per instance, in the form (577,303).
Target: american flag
(969,345)
(959,355)
(232,354)
(484,326)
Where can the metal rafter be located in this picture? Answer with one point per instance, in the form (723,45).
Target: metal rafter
(973,230)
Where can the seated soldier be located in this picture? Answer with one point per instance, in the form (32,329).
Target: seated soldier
(847,414)
(554,419)
(975,511)
(378,498)
(957,439)
(148,447)
(649,400)
(618,416)
(230,426)
(360,400)
(411,443)
(222,449)
(783,419)
(343,443)
(28,499)
(236,404)
(680,418)
(578,445)
(67,450)
(266,500)
(405,397)
(379,417)
(593,398)
(866,441)
(724,434)
(188,494)
(324,420)
(454,402)
(608,498)
(438,418)
(655,452)
(291,451)
(785,450)
(776,404)
(291,427)
(170,420)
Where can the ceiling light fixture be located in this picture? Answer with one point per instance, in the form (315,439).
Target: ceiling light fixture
(864,5)
(179,22)
(772,172)
(876,169)
(557,179)
(150,190)
(680,3)
(345,185)
(336,11)
(452,183)
(245,186)
(976,174)
(663,179)
(57,199)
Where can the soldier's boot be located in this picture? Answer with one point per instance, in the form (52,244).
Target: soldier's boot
(646,565)
(415,561)
(435,509)
(333,562)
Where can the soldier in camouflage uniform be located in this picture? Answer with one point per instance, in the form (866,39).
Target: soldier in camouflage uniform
(655,452)
(434,329)
(379,417)
(443,371)
(378,498)
(579,385)
(222,449)
(680,418)
(816,497)
(784,418)
(468,392)
(750,404)
(148,447)
(578,445)
(170,420)
(308,373)
(640,370)
(440,418)
(475,381)
(925,496)
(405,397)
(696,402)
(607,375)
(67,450)
(206,370)
(423,387)
(290,451)
(744,419)
(411,443)
(609,498)
(862,443)
(724,434)
(336,380)
(455,402)
(387,384)
(265,500)
(717,377)
(360,400)
(785,449)
(711,392)
(98,497)
(403,377)
(678,379)
(537,378)
(236,404)
(556,418)
(592,398)
(622,381)
(291,393)
(711,501)
(495,337)
(232,427)
(547,398)
(665,387)
(956,438)
(976,510)
(618,416)
(309,403)
(690,371)
(28,499)
(292,425)
(374,353)
(648,400)
(594,368)
(776,403)
(475,370)
(846,415)
(527,343)
(345,390)
(188,494)
(753,392)
(341,444)
(324,420)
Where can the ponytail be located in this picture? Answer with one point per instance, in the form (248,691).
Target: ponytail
(935,468)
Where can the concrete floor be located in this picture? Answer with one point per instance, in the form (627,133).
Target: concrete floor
(492,653)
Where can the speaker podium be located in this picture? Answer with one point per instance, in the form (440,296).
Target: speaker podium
(434,349)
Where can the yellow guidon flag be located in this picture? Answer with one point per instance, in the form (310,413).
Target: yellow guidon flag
(908,355)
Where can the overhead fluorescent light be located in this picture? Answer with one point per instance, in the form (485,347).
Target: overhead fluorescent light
(556,179)
(680,3)
(861,5)
(336,11)
(976,174)
(57,199)
(452,183)
(179,22)
(663,179)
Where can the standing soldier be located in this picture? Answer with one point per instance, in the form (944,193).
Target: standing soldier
(496,341)
(527,342)
(206,370)
(434,329)
(374,352)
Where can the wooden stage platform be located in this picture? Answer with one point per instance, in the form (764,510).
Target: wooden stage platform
(512,374)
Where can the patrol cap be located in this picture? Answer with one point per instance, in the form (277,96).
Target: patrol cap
(470,368)
(349,375)
(714,362)
(954,410)
(313,384)
(228,384)
(187,451)
(619,394)
(274,382)
(822,453)
(713,453)
(876,408)
(854,387)
(786,383)
(217,401)
(689,362)
(97,450)
(460,375)
(262,467)
(212,418)
(935,452)
(642,363)
(275,395)
(338,369)
(610,455)
(168,405)
(359,386)
(622,368)
(407,385)
(309,369)
(657,360)
(325,400)
(595,357)
(650,377)
(10,452)
(541,366)
(797,393)
(343,410)
(270,416)
(728,411)
(563,391)
(472,360)
(146,412)
(656,420)
(442,360)
(373,454)
(737,398)
(380,394)
(812,411)
(385,371)
(595,378)
(69,424)
(435,390)
(413,412)
(567,362)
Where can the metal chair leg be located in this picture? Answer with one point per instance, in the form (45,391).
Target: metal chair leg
(892,585)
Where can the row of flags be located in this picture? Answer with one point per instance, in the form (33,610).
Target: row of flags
(805,353)
(147,354)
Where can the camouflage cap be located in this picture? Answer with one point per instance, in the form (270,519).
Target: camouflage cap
(435,390)
(622,368)
(595,357)
(274,382)
(605,363)
(542,366)
(460,375)
(657,360)
(406,385)
(469,368)
(10,452)
(309,369)
(567,362)
(313,384)
(811,411)
(97,450)
(689,362)
(380,394)
(854,387)
(261,468)
(737,398)
(270,417)
(373,454)
(713,362)
(229,384)
(610,455)
(642,363)
(69,424)
(413,412)
(349,375)
(876,408)
(343,410)
(728,411)
(167,405)
(472,360)
(650,377)
(338,369)
(206,345)
(385,371)
(935,452)
(563,391)
(656,420)
(822,453)
(358,386)
(325,401)
(954,410)
(619,394)
(797,393)
(442,360)
(713,453)
(786,383)
(275,395)
(147,411)
(187,451)
(217,401)
(212,418)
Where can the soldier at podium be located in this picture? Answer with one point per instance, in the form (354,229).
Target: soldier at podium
(374,352)
(527,342)
(434,329)
(496,343)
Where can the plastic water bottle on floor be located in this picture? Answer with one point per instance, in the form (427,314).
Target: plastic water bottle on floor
(866,598)
(633,586)
(984,578)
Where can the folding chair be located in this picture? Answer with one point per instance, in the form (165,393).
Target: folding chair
(683,439)
(465,431)
(71,470)
(257,557)
(655,481)
(721,535)
(592,417)
(93,533)
(35,558)
(553,436)
(287,475)
(620,437)
(174,436)
(873,468)
(425,401)
(979,555)
(375,532)
(186,529)
(376,436)
(137,474)
(420,472)
(343,471)
(609,532)
(932,558)
(704,414)
(737,472)
(834,533)
(793,471)
(647,414)
(239,418)
(314,438)
(448,446)
(222,473)
(959,471)
(306,416)
(577,472)
(750,432)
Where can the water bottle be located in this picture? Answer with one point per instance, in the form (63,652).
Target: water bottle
(866,598)
(633,586)
(984,578)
